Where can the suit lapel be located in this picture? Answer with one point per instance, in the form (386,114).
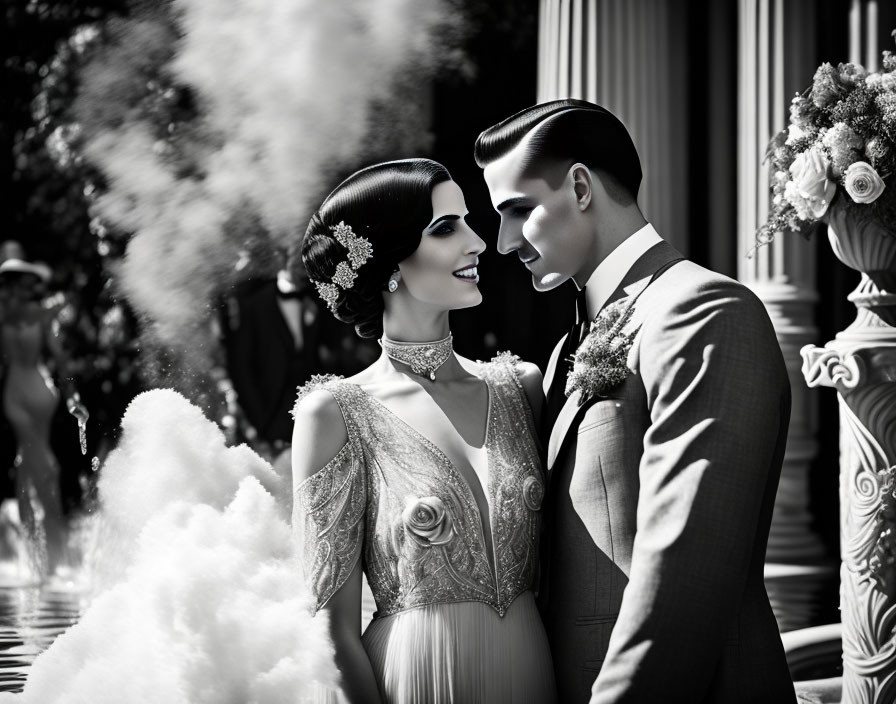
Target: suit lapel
(660,255)
(568,414)
(654,259)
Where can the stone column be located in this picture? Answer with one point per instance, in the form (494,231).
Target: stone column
(630,57)
(777,58)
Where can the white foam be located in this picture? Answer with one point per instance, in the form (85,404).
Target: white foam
(199,599)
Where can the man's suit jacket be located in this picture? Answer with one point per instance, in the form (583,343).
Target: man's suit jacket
(660,499)
(264,362)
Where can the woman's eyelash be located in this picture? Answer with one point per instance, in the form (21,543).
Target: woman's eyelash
(446,228)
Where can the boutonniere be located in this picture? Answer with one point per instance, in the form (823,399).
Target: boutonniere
(600,364)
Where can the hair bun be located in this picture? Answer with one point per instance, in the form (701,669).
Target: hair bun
(388,205)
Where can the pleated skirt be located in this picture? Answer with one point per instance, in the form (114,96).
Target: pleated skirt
(462,653)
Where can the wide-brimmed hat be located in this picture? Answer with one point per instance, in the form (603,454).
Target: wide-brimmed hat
(20,266)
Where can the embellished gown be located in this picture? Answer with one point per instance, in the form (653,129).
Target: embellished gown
(456,619)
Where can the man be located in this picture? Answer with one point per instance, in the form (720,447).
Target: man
(275,339)
(272,348)
(664,459)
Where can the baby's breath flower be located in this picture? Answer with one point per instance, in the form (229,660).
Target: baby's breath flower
(600,364)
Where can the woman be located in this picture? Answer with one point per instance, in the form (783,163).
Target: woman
(30,399)
(423,469)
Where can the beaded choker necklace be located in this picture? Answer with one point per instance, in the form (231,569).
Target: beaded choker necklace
(421,357)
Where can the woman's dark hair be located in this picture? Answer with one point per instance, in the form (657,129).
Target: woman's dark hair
(574,130)
(390,205)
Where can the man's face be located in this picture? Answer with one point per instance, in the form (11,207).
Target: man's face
(543,223)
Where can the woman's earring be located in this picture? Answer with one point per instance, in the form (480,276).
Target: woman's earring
(393,281)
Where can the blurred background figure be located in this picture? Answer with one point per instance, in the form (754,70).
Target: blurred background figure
(275,339)
(31,355)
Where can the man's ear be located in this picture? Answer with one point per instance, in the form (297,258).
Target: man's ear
(583,184)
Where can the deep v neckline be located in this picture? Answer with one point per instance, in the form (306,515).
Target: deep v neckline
(486,519)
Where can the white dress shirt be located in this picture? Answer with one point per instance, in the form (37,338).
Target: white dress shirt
(610,272)
(290,309)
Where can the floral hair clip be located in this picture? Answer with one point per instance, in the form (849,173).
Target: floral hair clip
(359,251)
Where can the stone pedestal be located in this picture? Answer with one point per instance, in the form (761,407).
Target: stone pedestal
(860,363)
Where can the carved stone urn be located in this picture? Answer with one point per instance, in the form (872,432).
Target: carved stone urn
(860,363)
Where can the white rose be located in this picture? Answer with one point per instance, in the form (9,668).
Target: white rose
(810,190)
(862,182)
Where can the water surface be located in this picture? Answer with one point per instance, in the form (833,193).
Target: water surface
(31,617)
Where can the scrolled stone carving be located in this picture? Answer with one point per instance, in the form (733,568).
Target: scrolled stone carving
(883,559)
(867,579)
(861,364)
(869,647)
(828,367)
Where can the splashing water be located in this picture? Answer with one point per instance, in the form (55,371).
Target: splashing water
(81,414)
(194,577)
(82,435)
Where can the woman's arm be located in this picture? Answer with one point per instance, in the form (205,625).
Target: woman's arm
(530,378)
(319,436)
(344,609)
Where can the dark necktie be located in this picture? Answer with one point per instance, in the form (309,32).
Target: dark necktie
(557,393)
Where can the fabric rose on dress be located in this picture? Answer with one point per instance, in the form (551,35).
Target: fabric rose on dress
(810,190)
(862,182)
(427,521)
(533,493)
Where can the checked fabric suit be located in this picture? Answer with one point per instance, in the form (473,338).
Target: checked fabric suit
(660,499)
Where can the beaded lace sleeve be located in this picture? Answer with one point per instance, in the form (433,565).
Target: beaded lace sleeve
(328,519)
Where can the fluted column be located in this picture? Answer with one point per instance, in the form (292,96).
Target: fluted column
(863,33)
(776,59)
(628,56)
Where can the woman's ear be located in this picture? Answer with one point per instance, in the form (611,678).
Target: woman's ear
(583,184)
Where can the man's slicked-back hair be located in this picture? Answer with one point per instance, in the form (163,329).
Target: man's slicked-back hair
(573,131)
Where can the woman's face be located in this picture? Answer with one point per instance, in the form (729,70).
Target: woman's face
(442,272)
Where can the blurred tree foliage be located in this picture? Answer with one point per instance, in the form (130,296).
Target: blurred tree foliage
(46,208)
(50,186)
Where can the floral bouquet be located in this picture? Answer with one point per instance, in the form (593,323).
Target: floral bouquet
(841,137)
